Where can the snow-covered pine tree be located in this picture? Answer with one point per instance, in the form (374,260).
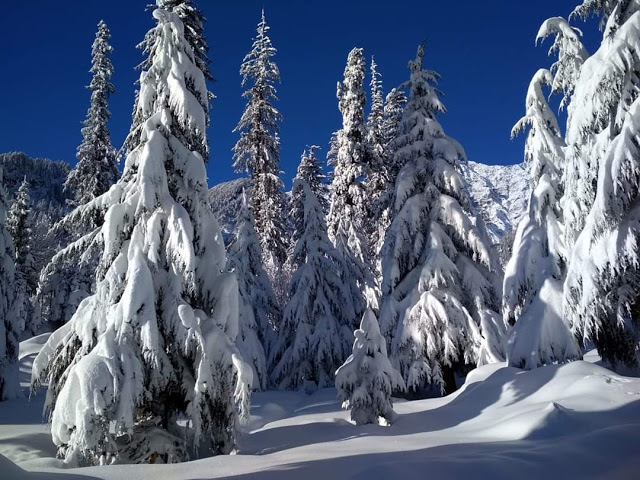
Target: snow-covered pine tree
(393,109)
(348,221)
(155,343)
(9,329)
(258,305)
(310,171)
(605,89)
(571,55)
(315,335)
(96,169)
(258,149)
(26,277)
(441,276)
(378,181)
(601,300)
(532,292)
(70,275)
(193,20)
(367,379)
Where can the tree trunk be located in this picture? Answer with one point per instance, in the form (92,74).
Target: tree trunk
(449,378)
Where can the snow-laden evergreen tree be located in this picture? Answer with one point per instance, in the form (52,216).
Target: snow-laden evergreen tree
(70,275)
(96,169)
(193,20)
(571,55)
(367,379)
(146,369)
(315,335)
(600,295)
(348,219)
(602,290)
(258,305)
(310,172)
(606,87)
(9,329)
(19,227)
(378,181)
(532,292)
(393,109)
(441,276)
(258,149)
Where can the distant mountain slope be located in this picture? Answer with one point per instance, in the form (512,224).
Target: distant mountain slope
(500,193)
(226,202)
(46,177)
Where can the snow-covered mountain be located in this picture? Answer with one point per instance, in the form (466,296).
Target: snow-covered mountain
(46,177)
(500,193)
(226,202)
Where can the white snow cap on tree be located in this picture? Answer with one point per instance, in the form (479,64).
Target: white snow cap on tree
(155,343)
(441,275)
(315,335)
(532,289)
(9,329)
(367,379)
(348,219)
(258,306)
(258,149)
(571,55)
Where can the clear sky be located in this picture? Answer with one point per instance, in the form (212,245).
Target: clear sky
(484,51)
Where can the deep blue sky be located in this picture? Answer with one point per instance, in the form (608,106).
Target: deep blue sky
(484,51)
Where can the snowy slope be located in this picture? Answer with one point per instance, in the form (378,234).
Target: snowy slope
(226,202)
(45,177)
(500,192)
(576,421)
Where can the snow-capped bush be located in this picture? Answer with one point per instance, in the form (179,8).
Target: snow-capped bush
(367,378)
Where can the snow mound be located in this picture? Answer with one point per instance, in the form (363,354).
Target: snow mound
(577,420)
(500,193)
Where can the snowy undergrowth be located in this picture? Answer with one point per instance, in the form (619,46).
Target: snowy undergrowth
(502,424)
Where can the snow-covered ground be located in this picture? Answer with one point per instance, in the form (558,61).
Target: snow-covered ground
(573,421)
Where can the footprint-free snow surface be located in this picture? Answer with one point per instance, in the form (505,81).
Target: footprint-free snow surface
(573,421)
